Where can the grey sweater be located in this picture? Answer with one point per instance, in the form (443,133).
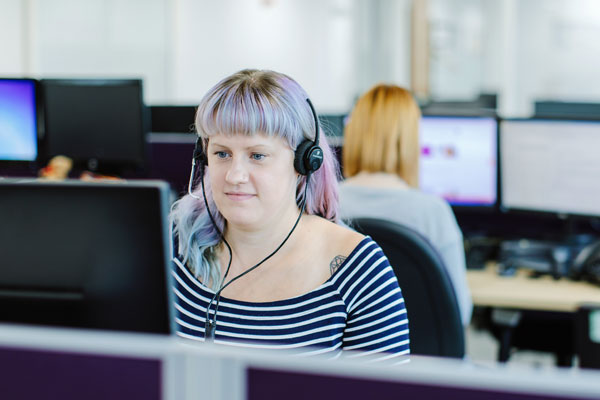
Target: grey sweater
(427,214)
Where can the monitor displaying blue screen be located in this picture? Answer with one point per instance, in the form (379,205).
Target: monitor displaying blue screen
(18,121)
(459,159)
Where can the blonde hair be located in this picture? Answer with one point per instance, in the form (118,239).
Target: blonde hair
(382,134)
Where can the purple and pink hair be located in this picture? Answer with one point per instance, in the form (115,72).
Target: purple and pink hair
(247,103)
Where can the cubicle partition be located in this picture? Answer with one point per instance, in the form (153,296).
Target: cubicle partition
(74,364)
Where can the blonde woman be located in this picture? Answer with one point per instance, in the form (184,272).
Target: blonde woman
(381,166)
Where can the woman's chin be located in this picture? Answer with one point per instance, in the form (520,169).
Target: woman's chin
(244,221)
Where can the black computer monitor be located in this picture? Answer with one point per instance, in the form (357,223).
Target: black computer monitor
(100,123)
(172,119)
(550,166)
(458,159)
(85,255)
(18,121)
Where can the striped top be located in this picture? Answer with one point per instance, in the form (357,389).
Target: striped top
(360,307)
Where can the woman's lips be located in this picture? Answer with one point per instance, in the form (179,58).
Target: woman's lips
(235,196)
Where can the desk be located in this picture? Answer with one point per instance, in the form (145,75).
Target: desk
(489,289)
(541,302)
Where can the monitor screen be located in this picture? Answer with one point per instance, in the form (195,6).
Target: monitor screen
(18,120)
(459,159)
(85,255)
(333,124)
(551,166)
(100,123)
(179,119)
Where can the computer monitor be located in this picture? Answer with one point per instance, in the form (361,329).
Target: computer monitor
(551,166)
(85,255)
(566,110)
(458,159)
(100,123)
(18,120)
(333,124)
(172,119)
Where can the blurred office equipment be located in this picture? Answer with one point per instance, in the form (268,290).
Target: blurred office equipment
(587,335)
(550,169)
(333,124)
(434,317)
(566,109)
(173,118)
(101,124)
(586,265)
(459,158)
(85,254)
(550,166)
(483,105)
(171,155)
(171,143)
(18,122)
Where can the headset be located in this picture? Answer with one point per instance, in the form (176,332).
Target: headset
(308,158)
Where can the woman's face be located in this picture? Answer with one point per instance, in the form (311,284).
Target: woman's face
(252,178)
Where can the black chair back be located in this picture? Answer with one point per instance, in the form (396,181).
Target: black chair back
(433,314)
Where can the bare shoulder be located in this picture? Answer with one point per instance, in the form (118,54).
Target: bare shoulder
(336,242)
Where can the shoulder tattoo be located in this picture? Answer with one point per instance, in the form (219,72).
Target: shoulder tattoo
(335,263)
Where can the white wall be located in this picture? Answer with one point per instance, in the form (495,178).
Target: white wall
(96,38)
(310,40)
(522,49)
(457,43)
(525,50)
(558,56)
(13,44)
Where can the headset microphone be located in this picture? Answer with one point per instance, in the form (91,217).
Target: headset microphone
(308,158)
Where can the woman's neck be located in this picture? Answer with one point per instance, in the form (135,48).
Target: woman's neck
(377,179)
(252,244)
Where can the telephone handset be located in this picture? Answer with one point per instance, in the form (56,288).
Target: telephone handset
(586,265)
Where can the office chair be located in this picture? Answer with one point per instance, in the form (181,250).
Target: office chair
(433,314)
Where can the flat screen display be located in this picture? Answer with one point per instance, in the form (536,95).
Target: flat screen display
(85,254)
(99,123)
(18,120)
(551,166)
(458,159)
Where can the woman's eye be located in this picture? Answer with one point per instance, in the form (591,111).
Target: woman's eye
(258,156)
(221,154)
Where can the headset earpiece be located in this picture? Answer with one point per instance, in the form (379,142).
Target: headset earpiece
(309,156)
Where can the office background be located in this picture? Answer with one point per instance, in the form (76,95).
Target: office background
(523,50)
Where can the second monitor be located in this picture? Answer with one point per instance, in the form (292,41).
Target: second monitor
(459,158)
(551,166)
(100,123)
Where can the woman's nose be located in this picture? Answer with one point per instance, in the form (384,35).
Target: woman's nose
(237,173)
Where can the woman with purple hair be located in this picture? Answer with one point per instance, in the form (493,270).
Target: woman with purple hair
(262,259)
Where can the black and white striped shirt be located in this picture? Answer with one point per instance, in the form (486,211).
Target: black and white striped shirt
(360,307)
